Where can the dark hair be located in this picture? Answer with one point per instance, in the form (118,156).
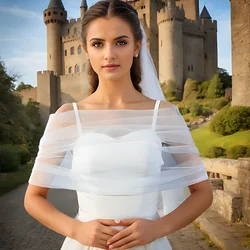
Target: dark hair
(123,10)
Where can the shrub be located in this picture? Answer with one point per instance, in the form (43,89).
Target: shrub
(24,154)
(172,99)
(196,109)
(190,89)
(236,152)
(169,89)
(215,152)
(9,158)
(184,110)
(215,88)
(230,120)
(202,90)
(206,111)
(221,103)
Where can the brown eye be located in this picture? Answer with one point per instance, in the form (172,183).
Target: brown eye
(124,42)
(95,44)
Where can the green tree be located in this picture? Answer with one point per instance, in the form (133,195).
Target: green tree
(226,79)
(22,86)
(215,88)
(190,89)
(202,90)
(16,125)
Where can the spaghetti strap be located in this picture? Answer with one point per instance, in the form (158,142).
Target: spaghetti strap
(157,104)
(78,121)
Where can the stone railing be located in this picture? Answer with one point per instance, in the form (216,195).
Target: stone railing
(230,180)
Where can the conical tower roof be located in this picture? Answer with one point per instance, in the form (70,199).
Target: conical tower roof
(205,14)
(84,4)
(55,4)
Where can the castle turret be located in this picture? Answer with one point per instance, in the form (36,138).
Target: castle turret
(191,8)
(170,21)
(54,17)
(210,44)
(83,8)
(240,54)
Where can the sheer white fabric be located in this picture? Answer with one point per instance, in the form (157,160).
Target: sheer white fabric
(117,152)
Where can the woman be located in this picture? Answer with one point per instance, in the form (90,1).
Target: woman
(119,148)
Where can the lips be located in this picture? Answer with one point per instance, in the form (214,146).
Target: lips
(111,66)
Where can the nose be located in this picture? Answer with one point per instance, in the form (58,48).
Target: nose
(109,52)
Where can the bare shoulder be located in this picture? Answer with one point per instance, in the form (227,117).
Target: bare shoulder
(65,107)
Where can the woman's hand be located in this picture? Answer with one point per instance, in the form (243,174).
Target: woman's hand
(95,233)
(138,232)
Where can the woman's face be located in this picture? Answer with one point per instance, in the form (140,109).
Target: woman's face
(111,41)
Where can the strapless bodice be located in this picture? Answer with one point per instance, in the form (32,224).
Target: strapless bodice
(98,155)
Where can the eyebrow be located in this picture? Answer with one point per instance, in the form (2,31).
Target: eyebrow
(100,39)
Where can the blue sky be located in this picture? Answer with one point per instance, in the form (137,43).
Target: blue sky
(23,39)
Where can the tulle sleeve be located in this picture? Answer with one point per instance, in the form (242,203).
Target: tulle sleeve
(181,160)
(116,152)
(53,163)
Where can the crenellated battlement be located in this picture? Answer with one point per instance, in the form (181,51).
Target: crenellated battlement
(55,16)
(209,25)
(46,72)
(70,38)
(193,28)
(73,21)
(170,13)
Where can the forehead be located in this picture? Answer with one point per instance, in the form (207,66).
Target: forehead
(108,28)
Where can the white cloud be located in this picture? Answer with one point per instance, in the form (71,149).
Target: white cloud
(16,11)
(27,65)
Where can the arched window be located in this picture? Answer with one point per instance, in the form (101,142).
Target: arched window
(188,68)
(79,49)
(77,68)
(72,51)
(70,70)
(65,52)
(84,67)
(192,68)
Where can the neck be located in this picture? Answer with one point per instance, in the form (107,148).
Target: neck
(116,94)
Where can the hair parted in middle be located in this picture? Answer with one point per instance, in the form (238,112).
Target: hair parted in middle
(124,11)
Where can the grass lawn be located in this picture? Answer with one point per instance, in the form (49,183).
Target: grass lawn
(13,179)
(205,139)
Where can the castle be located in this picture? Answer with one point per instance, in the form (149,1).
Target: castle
(240,26)
(182,43)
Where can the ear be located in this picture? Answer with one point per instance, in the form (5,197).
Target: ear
(138,47)
(85,49)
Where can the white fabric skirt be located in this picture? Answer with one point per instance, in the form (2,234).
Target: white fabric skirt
(159,244)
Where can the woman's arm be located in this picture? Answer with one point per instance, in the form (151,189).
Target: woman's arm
(200,199)
(37,205)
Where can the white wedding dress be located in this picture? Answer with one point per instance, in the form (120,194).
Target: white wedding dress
(138,153)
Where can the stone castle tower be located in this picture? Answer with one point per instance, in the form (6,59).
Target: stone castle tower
(240,27)
(182,43)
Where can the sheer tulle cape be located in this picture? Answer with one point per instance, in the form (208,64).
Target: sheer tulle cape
(178,166)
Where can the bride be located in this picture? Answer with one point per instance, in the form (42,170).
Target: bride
(121,148)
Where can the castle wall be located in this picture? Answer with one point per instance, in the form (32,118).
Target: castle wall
(54,57)
(74,87)
(47,93)
(171,48)
(54,19)
(147,13)
(26,94)
(240,20)
(193,58)
(71,38)
(210,48)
